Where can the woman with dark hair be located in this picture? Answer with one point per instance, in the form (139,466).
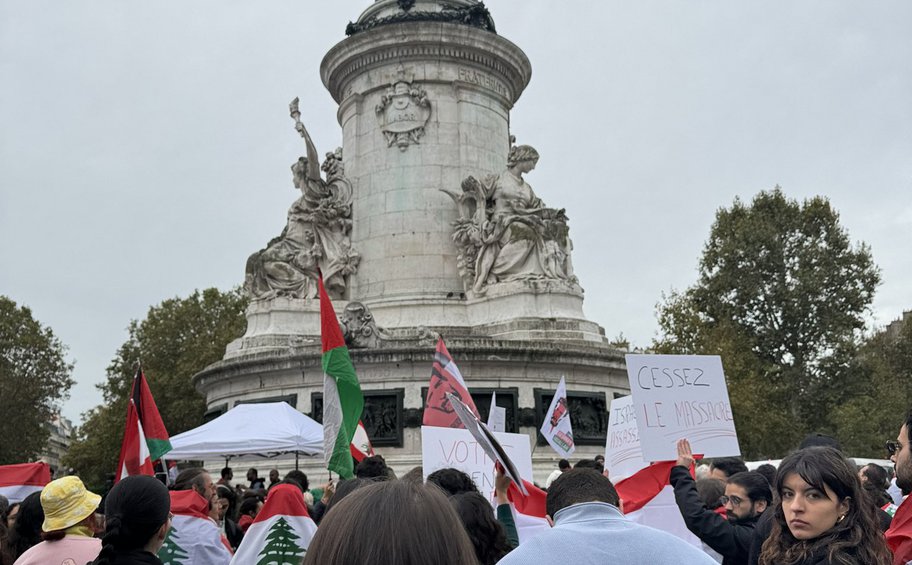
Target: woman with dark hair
(138,516)
(417,526)
(823,517)
(486,534)
(25,530)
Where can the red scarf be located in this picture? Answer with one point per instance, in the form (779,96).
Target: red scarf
(899,536)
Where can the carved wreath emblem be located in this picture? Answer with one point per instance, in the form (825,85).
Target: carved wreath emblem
(403,112)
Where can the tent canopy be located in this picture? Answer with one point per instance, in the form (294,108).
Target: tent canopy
(251,430)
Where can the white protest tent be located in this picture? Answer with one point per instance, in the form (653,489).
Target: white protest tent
(270,429)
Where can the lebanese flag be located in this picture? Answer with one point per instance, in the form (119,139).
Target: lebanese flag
(156,435)
(194,537)
(342,398)
(19,481)
(281,532)
(134,451)
(361,445)
(445,378)
(529,511)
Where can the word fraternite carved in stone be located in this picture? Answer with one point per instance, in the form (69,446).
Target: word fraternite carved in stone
(403,112)
(506,233)
(316,235)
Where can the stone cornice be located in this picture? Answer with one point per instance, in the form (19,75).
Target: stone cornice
(425,41)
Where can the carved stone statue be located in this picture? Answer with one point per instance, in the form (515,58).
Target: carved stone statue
(359,327)
(316,235)
(403,112)
(506,233)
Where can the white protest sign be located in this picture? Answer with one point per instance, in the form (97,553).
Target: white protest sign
(623,455)
(458,448)
(497,416)
(681,396)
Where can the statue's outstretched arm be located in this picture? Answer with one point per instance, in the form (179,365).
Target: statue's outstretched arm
(313,160)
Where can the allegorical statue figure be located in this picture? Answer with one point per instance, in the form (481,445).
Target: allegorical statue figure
(316,234)
(506,233)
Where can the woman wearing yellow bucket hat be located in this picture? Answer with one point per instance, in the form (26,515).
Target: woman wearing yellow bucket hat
(69,524)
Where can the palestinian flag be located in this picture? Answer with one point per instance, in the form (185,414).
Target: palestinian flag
(194,537)
(445,378)
(281,532)
(19,481)
(342,398)
(134,451)
(156,435)
(361,446)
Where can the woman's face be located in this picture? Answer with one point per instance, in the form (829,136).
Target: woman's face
(809,512)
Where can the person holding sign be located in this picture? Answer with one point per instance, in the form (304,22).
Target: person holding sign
(747,496)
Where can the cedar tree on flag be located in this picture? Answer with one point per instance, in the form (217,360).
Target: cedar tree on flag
(134,452)
(361,446)
(445,378)
(342,398)
(156,435)
(281,532)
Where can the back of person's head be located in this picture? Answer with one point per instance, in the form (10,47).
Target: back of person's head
(193,478)
(414,474)
(876,476)
(136,517)
(417,526)
(4,507)
(710,491)
(452,481)
(769,473)
(299,477)
(818,439)
(373,467)
(578,486)
(227,474)
(728,465)
(26,530)
(486,534)
(66,503)
(346,487)
(588,464)
(563,464)
(755,484)
(854,538)
(250,505)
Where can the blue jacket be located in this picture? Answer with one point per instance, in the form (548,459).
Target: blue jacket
(597,533)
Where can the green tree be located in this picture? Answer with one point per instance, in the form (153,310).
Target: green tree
(34,378)
(177,339)
(280,547)
(782,295)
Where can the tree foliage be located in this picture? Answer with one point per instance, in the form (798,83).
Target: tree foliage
(176,340)
(34,378)
(782,295)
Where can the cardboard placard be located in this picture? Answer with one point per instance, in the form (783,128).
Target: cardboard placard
(681,396)
(623,455)
(458,448)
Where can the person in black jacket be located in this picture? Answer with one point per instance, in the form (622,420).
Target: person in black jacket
(747,496)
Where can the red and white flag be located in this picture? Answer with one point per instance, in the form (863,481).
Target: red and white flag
(529,511)
(194,536)
(19,481)
(445,378)
(556,428)
(134,451)
(281,532)
(361,445)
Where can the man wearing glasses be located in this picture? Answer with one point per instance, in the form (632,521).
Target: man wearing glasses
(899,536)
(747,496)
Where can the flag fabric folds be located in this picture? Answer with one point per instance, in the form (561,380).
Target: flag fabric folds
(134,451)
(556,428)
(194,537)
(361,445)
(342,398)
(154,429)
(445,378)
(529,510)
(19,481)
(281,532)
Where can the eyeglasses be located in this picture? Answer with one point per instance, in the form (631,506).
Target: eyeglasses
(735,500)
(893,447)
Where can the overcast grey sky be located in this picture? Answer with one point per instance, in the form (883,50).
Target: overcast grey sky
(145,146)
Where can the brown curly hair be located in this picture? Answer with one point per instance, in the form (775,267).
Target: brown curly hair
(852,541)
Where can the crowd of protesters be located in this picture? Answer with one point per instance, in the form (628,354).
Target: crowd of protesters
(816,508)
